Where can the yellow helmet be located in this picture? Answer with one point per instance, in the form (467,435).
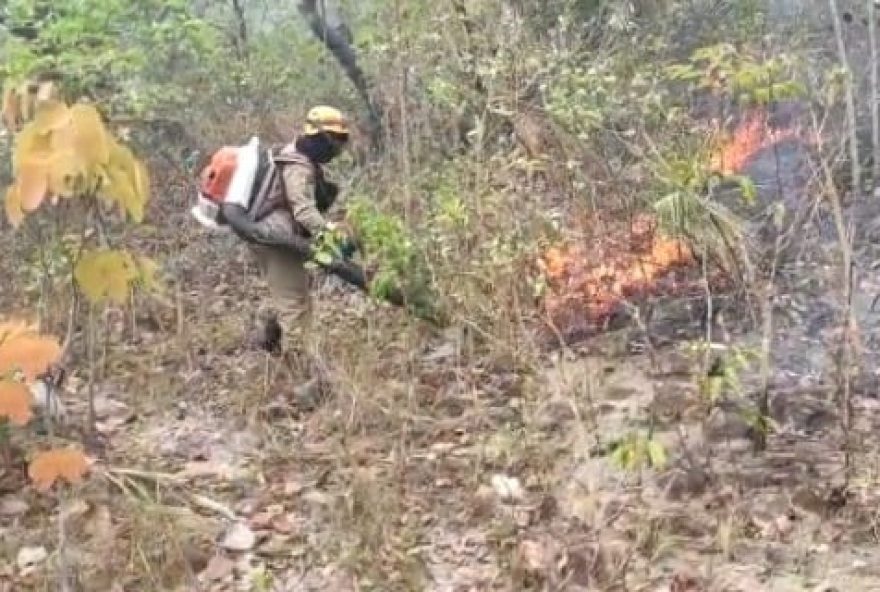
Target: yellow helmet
(323,118)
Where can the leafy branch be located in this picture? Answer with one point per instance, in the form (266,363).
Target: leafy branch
(398,266)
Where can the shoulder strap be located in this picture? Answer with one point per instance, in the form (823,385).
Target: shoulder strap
(262,202)
(262,189)
(287,156)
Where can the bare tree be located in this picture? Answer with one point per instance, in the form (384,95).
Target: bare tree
(845,358)
(329,28)
(875,92)
(241,36)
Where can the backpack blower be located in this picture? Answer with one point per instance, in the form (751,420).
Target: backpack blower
(228,190)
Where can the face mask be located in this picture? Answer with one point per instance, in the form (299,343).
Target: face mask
(321,148)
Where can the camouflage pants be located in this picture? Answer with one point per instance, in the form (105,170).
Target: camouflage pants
(290,300)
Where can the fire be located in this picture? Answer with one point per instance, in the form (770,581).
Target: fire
(593,282)
(590,283)
(751,136)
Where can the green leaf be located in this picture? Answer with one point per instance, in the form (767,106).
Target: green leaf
(622,455)
(323,257)
(748,187)
(656,454)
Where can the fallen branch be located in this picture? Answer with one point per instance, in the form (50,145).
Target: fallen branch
(214,506)
(124,479)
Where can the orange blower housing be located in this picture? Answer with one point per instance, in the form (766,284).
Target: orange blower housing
(215,178)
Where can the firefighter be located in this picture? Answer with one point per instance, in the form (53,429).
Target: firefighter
(293,209)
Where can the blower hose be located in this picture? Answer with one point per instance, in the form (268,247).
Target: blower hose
(248,230)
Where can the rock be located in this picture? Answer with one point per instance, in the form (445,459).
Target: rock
(30,557)
(507,488)
(239,538)
(293,488)
(808,500)
(219,568)
(260,521)
(484,501)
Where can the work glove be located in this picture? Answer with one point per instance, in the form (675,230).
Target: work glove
(348,248)
(345,239)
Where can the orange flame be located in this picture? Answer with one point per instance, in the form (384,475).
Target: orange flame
(597,281)
(589,283)
(750,136)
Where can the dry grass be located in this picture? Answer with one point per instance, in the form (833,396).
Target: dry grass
(388,485)
(478,457)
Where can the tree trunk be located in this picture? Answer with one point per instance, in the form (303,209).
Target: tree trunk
(336,36)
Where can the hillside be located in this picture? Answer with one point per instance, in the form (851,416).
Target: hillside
(639,246)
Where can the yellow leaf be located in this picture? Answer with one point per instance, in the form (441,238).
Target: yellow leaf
(33,182)
(141,181)
(65,168)
(118,189)
(15,402)
(68,151)
(657,454)
(63,139)
(90,135)
(30,143)
(49,466)
(127,181)
(106,275)
(51,115)
(23,349)
(14,213)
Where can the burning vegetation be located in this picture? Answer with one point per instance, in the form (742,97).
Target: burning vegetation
(752,135)
(590,283)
